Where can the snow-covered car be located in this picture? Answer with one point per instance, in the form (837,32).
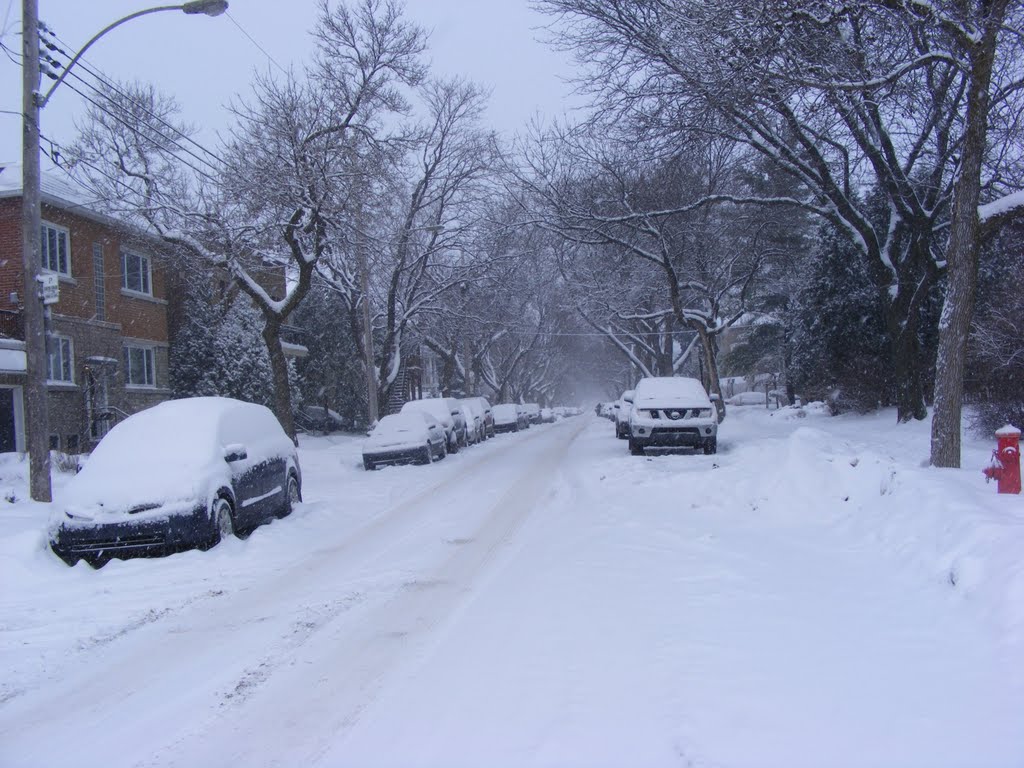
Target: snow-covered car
(623,407)
(485,406)
(316,418)
(182,474)
(671,411)
(404,438)
(532,412)
(547,416)
(461,427)
(474,419)
(507,417)
(441,408)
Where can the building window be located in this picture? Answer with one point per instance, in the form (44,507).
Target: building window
(135,273)
(99,287)
(54,442)
(139,370)
(55,249)
(58,360)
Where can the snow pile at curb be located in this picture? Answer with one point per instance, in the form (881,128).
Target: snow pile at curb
(946,526)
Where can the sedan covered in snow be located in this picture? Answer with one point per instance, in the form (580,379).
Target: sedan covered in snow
(405,438)
(448,413)
(507,417)
(182,474)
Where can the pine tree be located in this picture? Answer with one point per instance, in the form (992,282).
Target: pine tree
(840,345)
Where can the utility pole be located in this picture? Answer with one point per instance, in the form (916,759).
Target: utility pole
(37,420)
(37,437)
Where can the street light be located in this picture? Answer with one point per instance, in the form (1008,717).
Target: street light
(36,407)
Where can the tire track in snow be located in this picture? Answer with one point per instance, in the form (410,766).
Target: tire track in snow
(168,678)
(341,674)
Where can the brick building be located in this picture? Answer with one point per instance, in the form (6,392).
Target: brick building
(108,336)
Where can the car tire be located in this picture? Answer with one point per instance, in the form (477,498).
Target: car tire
(711,446)
(292,494)
(635,448)
(223,520)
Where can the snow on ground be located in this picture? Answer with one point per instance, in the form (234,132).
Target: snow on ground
(812,595)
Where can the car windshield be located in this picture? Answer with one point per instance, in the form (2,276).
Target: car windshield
(401,424)
(160,454)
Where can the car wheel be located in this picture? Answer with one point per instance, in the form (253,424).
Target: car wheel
(635,448)
(293,495)
(711,446)
(223,519)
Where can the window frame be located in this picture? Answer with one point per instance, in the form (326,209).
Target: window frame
(99,276)
(149,358)
(44,250)
(60,340)
(146,276)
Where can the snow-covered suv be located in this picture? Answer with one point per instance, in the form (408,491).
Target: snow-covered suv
(672,411)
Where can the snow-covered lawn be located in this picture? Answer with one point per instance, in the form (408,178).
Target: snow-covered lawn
(813,595)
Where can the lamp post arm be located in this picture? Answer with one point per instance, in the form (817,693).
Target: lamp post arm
(42,100)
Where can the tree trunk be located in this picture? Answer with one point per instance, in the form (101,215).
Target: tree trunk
(962,253)
(712,382)
(279,372)
(906,363)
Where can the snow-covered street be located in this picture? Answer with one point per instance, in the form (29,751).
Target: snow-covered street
(809,596)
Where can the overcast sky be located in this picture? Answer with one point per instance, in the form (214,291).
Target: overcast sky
(203,61)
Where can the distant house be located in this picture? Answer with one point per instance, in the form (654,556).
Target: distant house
(107,341)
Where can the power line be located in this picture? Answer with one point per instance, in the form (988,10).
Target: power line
(253,41)
(134,128)
(107,82)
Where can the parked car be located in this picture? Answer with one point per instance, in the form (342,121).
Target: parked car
(182,474)
(461,427)
(673,412)
(474,422)
(405,438)
(532,412)
(442,411)
(316,418)
(507,418)
(485,406)
(622,410)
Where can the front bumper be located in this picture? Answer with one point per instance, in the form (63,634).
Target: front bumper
(682,433)
(97,542)
(404,455)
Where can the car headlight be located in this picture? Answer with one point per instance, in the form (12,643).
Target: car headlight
(704,413)
(653,413)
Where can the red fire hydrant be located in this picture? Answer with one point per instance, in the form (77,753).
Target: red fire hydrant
(1005,465)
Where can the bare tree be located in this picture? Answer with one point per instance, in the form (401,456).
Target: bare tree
(844,97)
(263,214)
(695,262)
(416,221)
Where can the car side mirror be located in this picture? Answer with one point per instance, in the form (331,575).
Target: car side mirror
(714,398)
(628,400)
(235,452)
